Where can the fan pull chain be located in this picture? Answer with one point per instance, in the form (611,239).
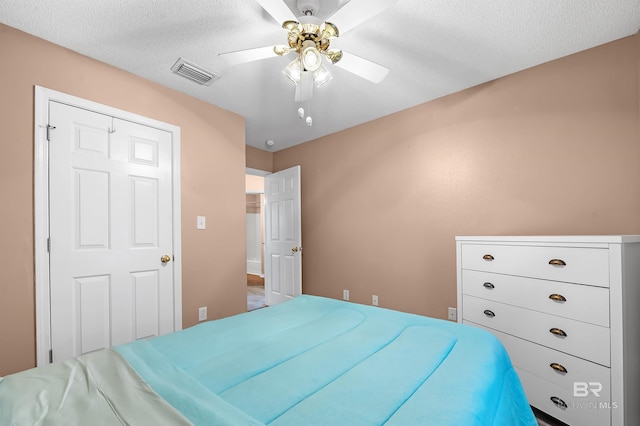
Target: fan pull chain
(308,120)
(301,115)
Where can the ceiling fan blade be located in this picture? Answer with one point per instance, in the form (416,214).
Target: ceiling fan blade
(356,12)
(361,67)
(247,55)
(278,9)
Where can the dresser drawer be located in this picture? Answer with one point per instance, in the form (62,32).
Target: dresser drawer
(569,264)
(577,410)
(587,341)
(548,363)
(575,301)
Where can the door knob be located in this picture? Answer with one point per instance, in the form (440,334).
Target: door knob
(166,258)
(295,249)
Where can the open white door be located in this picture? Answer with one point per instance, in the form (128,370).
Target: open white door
(283,241)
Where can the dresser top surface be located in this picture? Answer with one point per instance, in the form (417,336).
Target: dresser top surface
(584,239)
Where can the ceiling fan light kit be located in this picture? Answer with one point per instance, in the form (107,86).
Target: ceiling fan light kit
(311,59)
(292,71)
(321,76)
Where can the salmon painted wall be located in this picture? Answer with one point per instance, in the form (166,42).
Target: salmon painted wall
(213,179)
(259,159)
(554,149)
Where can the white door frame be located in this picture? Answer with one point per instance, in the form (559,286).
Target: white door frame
(262,173)
(42,97)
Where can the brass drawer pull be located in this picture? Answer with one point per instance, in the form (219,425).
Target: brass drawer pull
(559,403)
(489,313)
(557,297)
(558,332)
(488,257)
(558,367)
(488,285)
(557,262)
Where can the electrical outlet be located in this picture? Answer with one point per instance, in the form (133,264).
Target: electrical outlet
(374,300)
(202,313)
(345,294)
(453,314)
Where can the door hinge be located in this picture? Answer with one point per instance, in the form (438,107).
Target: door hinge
(49,129)
(50,356)
(48,245)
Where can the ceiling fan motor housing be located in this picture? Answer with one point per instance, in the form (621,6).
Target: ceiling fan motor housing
(308,7)
(310,30)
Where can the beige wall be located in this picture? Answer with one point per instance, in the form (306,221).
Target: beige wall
(259,159)
(254,184)
(213,164)
(551,150)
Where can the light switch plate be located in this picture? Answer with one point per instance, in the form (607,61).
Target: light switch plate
(201,222)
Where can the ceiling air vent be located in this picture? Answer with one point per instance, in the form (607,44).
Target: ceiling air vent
(194,72)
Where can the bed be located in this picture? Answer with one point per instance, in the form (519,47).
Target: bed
(311,360)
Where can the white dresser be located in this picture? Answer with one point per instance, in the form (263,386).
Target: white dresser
(567,308)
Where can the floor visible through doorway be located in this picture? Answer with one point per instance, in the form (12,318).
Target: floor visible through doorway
(255,292)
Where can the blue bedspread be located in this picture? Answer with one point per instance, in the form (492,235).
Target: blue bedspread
(314,360)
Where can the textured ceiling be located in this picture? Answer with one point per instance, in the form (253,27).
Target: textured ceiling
(432,48)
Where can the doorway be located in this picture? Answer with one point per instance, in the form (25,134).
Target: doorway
(254,192)
(282,247)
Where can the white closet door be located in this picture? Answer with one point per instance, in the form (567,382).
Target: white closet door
(110,226)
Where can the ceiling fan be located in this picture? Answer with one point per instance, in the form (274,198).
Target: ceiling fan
(309,38)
